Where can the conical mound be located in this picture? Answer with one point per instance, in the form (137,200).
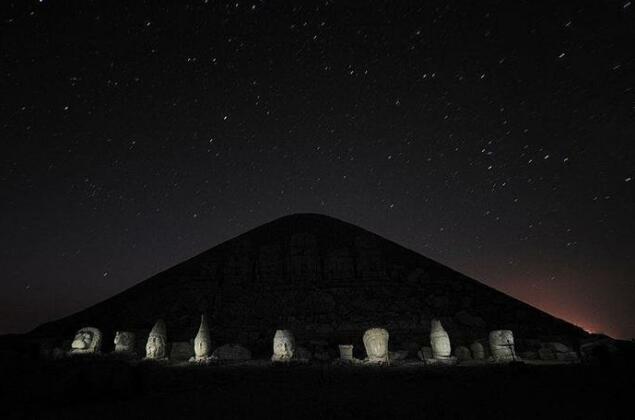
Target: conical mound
(322,278)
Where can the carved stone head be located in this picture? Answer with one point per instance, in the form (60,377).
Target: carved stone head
(156,346)
(87,340)
(202,341)
(439,340)
(501,343)
(283,345)
(376,344)
(124,342)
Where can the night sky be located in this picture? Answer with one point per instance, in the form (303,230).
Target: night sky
(493,136)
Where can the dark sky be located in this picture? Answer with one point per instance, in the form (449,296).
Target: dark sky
(493,136)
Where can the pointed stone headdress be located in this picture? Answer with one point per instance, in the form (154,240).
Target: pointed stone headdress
(203,330)
(202,341)
(159,329)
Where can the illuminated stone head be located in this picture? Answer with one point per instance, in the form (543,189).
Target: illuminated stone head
(376,344)
(501,344)
(156,347)
(202,341)
(439,341)
(283,346)
(87,340)
(124,342)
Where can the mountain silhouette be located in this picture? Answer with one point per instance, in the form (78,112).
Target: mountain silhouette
(324,279)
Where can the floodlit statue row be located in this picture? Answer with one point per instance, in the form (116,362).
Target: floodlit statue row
(501,345)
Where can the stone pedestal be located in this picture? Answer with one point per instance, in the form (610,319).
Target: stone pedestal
(439,341)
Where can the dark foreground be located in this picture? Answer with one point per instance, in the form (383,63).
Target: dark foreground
(106,388)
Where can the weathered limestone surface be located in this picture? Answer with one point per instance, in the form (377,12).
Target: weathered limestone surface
(156,346)
(376,344)
(124,342)
(87,340)
(202,342)
(439,341)
(501,343)
(283,346)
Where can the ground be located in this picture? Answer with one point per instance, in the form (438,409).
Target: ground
(106,388)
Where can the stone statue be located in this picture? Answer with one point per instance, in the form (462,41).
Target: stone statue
(124,342)
(346,352)
(463,354)
(501,344)
(156,347)
(87,340)
(439,341)
(283,346)
(376,344)
(478,351)
(202,342)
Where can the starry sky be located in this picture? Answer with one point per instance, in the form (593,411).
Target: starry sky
(495,137)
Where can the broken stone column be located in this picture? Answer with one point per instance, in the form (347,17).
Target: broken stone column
(478,351)
(124,342)
(283,346)
(156,346)
(202,342)
(376,344)
(501,344)
(346,352)
(86,340)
